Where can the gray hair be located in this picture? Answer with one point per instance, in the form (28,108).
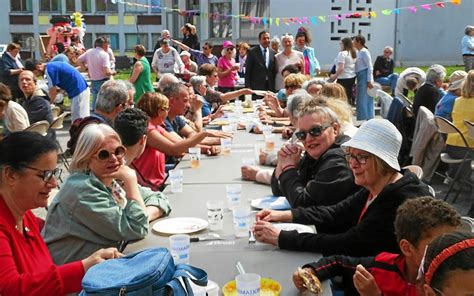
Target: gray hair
(165,32)
(313,81)
(296,100)
(318,105)
(288,36)
(389,48)
(92,137)
(166,79)
(173,90)
(468,30)
(111,94)
(275,39)
(197,81)
(434,73)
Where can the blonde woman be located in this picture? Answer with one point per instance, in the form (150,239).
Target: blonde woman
(286,57)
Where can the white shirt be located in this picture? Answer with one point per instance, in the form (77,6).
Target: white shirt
(344,57)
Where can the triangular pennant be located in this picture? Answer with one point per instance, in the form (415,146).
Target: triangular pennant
(396,11)
(314,20)
(277,21)
(322,18)
(292,20)
(270,21)
(253,20)
(426,6)
(264,20)
(259,20)
(373,14)
(337,17)
(412,9)
(456,2)
(285,21)
(386,12)
(306,20)
(440,4)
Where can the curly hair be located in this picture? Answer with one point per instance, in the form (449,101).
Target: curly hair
(416,217)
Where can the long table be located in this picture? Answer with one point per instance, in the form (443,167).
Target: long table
(218,258)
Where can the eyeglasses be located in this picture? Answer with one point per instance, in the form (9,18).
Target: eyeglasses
(359,158)
(105,155)
(47,175)
(315,131)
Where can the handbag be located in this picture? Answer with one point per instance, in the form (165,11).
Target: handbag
(148,272)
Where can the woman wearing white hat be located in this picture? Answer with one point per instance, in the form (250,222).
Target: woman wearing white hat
(362,224)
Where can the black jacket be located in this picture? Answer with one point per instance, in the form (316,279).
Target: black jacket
(384,66)
(428,96)
(257,75)
(338,226)
(317,182)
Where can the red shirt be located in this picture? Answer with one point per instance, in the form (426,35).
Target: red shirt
(26,267)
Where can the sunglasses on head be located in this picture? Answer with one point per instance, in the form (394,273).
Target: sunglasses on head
(47,175)
(315,131)
(105,154)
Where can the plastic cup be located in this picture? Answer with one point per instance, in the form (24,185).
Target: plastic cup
(227,128)
(176,179)
(195,155)
(241,216)
(257,149)
(238,103)
(269,142)
(226,144)
(179,248)
(248,284)
(233,193)
(248,161)
(215,214)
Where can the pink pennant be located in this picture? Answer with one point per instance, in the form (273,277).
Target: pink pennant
(426,6)
(412,9)
(440,4)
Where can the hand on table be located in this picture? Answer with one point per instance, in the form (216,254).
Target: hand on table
(365,282)
(219,134)
(274,216)
(249,172)
(265,232)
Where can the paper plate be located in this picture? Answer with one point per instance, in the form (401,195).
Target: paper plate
(301,228)
(268,287)
(271,202)
(180,225)
(260,93)
(219,122)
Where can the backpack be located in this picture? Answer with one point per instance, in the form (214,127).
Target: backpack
(149,272)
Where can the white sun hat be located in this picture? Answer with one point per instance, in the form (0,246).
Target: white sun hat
(380,138)
(373,91)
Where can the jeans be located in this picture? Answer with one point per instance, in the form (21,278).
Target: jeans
(95,87)
(364,102)
(390,80)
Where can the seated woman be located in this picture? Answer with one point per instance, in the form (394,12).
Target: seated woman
(362,224)
(26,264)
(292,83)
(449,265)
(150,166)
(13,114)
(335,91)
(322,176)
(100,204)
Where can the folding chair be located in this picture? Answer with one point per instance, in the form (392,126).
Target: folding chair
(40,127)
(58,124)
(417,170)
(55,110)
(385,100)
(447,127)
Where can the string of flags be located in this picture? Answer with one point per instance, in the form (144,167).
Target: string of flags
(307,20)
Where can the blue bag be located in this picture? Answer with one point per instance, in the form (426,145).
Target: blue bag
(149,273)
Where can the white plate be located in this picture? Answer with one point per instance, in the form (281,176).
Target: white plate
(271,202)
(180,225)
(260,93)
(301,228)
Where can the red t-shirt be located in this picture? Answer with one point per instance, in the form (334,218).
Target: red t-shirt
(150,166)
(26,267)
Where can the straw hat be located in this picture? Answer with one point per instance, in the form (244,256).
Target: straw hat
(380,138)
(456,79)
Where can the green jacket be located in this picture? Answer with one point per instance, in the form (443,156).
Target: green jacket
(84,217)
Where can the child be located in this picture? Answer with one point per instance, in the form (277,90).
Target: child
(449,265)
(417,223)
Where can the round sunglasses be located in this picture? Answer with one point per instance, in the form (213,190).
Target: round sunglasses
(105,154)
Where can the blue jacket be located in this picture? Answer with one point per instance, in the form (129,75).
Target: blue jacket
(309,54)
(7,63)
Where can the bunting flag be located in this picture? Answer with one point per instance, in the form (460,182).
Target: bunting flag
(299,20)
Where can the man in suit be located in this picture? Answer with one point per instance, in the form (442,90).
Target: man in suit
(260,65)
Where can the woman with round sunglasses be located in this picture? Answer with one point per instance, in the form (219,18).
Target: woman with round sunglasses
(322,176)
(448,265)
(28,173)
(100,204)
(227,68)
(363,223)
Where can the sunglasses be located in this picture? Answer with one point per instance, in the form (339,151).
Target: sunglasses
(359,158)
(205,48)
(47,175)
(315,131)
(105,154)
(229,49)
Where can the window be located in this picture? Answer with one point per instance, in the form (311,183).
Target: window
(133,39)
(136,8)
(101,5)
(87,40)
(86,6)
(20,38)
(50,5)
(155,3)
(21,5)
(220,26)
(113,38)
(70,5)
(256,8)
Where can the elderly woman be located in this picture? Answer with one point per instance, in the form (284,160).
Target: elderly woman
(13,114)
(467,44)
(322,176)
(27,267)
(345,67)
(141,73)
(429,94)
(314,86)
(303,40)
(226,68)
(11,66)
(361,224)
(286,57)
(151,164)
(166,60)
(275,44)
(448,265)
(100,204)
(241,58)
